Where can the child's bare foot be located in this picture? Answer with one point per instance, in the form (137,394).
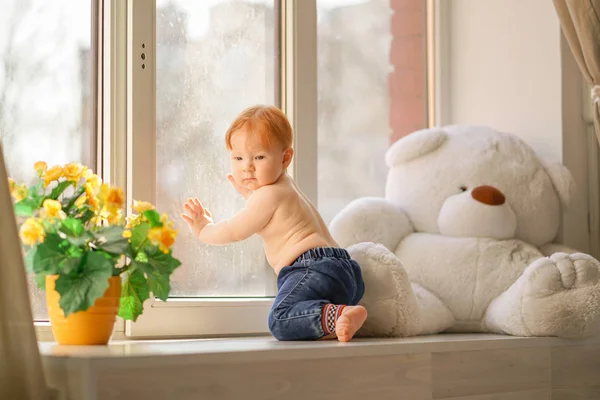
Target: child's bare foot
(352,318)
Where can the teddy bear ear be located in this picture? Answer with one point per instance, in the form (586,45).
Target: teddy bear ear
(415,145)
(562,180)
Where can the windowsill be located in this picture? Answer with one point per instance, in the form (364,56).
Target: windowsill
(261,367)
(266,348)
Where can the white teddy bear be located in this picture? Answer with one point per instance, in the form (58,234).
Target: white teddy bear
(463,241)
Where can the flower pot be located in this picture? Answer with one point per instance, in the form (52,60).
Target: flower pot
(89,327)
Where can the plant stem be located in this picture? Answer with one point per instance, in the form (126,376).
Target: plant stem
(74,199)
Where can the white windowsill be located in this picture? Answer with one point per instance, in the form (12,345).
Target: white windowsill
(256,349)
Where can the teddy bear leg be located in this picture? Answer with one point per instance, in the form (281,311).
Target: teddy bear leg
(555,296)
(390,302)
(396,307)
(434,316)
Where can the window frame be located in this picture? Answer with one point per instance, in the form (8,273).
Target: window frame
(218,316)
(103,108)
(126,150)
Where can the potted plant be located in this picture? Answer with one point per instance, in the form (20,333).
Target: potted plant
(90,259)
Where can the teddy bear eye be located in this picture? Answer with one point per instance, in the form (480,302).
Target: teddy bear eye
(463,188)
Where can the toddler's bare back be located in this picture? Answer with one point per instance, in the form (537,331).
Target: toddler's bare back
(295,226)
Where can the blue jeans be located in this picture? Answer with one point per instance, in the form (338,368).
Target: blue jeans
(319,278)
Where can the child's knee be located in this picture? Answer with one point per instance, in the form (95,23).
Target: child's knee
(275,328)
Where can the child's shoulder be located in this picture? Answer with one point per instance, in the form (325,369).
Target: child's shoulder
(270,193)
(279,191)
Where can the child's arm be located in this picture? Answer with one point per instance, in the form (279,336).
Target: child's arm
(257,213)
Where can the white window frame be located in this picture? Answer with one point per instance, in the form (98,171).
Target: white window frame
(110,114)
(199,317)
(438,53)
(593,167)
(127,145)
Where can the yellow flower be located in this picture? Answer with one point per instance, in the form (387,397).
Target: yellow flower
(52,174)
(32,232)
(52,209)
(127,233)
(92,179)
(112,198)
(114,218)
(80,201)
(164,219)
(11,185)
(164,237)
(20,192)
(133,220)
(73,172)
(91,197)
(40,167)
(141,206)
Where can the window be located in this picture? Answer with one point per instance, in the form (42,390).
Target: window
(46,90)
(174,73)
(371,91)
(213,59)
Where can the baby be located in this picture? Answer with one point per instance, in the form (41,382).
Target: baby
(319,285)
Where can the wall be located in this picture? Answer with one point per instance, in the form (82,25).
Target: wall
(503,65)
(505,69)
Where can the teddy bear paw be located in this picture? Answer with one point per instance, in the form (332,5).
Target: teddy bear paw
(562,272)
(562,296)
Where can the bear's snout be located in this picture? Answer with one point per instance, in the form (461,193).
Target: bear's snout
(488,195)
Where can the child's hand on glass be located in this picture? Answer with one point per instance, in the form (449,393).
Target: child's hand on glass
(196,216)
(240,189)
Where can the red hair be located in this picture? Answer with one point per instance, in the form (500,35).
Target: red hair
(268,122)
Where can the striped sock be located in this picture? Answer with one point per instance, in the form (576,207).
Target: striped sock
(331,313)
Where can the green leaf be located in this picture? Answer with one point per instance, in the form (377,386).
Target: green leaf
(80,292)
(57,191)
(158,268)
(154,218)
(133,294)
(160,285)
(37,188)
(164,263)
(73,263)
(56,255)
(110,239)
(50,254)
(25,207)
(40,279)
(81,241)
(141,257)
(72,227)
(86,215)
(158,263)
(37,193)
(139,234)
(29,258)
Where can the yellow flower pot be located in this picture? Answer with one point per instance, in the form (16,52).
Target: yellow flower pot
(90,327)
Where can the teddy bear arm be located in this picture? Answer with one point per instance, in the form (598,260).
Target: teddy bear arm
(370,219)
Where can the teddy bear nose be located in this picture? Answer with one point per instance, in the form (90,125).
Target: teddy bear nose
(488,195)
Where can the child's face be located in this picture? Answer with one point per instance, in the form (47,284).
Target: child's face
(254,165)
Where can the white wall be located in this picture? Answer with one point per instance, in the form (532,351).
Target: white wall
(505,69)
(503,63)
